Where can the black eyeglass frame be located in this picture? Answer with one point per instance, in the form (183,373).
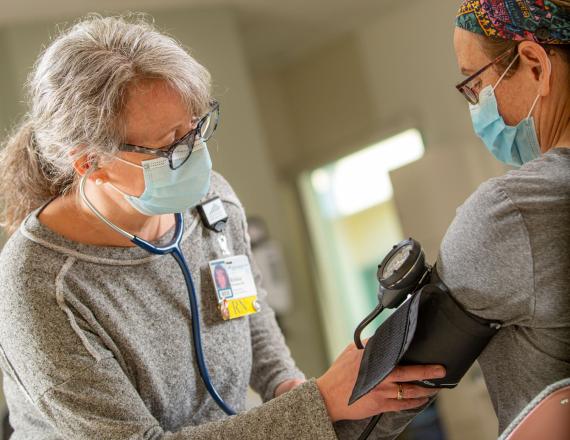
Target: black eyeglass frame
(471,95)
(188,139)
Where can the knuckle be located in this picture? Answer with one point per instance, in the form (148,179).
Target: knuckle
(416,391)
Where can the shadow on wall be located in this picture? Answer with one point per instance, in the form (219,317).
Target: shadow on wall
(6,428)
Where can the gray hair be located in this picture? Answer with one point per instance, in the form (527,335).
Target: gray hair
(76,95)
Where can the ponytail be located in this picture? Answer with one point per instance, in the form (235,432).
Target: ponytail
(24,179)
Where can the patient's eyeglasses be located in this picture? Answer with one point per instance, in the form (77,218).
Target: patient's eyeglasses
(470,91)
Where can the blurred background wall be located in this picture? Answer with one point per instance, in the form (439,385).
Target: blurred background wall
(304,85)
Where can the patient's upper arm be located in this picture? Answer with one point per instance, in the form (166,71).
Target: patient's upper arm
(486,259)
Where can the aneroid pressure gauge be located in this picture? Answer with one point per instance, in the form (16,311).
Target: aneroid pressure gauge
(401,272)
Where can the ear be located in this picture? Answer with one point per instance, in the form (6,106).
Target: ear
(535,58)
(84,164)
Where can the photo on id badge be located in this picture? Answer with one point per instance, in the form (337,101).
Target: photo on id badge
(234,286)
(222,281)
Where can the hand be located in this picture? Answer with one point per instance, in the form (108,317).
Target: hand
(287,385)
(337,383)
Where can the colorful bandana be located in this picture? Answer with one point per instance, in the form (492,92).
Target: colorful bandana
(536,20)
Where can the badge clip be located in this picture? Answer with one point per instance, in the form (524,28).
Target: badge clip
(213,214)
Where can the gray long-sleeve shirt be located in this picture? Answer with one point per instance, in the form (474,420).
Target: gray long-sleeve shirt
(95,343)
(506,257)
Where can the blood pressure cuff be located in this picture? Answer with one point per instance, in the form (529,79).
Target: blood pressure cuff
(429,327)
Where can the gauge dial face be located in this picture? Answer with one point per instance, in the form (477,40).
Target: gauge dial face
(396,261)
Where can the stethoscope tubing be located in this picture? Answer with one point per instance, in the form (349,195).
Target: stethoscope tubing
(175,250)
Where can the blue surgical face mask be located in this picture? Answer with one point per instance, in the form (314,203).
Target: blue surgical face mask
(168,191)
(513,145)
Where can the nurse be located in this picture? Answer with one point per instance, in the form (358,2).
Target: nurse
(95,333)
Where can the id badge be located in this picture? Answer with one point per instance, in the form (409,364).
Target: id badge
(235,287)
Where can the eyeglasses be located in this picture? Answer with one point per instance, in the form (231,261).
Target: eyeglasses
(180,150)
(467,90)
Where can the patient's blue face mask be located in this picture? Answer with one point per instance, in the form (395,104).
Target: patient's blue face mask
(513,145)
(168,191)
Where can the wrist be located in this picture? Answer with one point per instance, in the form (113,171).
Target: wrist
(287,385)
(327,398)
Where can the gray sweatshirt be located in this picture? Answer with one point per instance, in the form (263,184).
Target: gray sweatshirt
(95,343)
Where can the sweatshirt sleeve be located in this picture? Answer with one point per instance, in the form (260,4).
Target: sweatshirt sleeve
(100,403)
(272,361)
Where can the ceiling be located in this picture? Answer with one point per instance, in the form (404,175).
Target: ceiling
(274,31)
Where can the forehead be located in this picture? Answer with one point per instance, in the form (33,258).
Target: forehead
(151,104)
(468,50)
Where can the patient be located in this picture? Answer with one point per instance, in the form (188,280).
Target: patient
(506,256)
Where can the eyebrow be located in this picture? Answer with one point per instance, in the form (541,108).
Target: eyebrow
(174,128)
(465,71)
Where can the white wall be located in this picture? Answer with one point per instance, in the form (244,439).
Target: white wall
(410,67)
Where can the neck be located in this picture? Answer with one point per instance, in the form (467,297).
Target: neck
(556,118)
(119,212)
(563,138)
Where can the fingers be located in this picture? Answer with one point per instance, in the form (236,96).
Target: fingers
(410,373)
(409,391)
(401,405)
(352,346)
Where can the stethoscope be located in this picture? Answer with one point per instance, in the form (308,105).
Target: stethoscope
(174,249)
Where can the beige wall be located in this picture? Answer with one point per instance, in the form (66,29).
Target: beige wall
(393,73)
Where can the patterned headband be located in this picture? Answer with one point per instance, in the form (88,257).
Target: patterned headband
(535,20)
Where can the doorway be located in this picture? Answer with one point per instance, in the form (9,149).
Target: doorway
(353,223)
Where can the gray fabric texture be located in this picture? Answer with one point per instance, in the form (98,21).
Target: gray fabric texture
(506,257)
(95,343)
